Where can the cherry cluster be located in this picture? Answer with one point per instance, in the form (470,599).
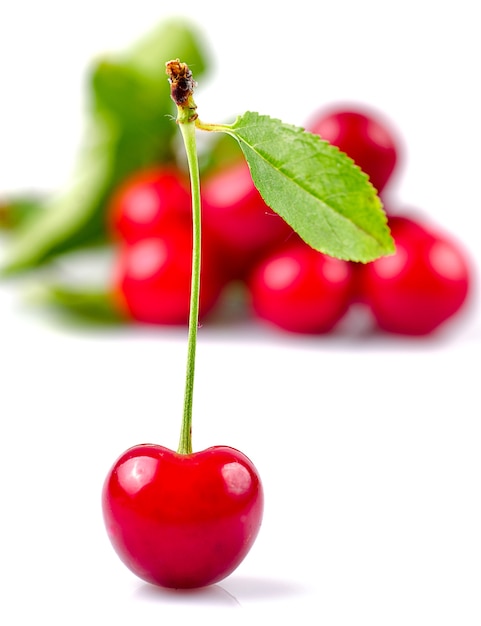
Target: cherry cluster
(288,284)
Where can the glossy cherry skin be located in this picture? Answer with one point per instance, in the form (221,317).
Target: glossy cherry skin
(182,521)
(416,290)
(299,289)
(364,136)
(235,211)
(143,202)
(151,280)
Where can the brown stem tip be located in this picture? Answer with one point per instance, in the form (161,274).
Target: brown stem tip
(181,82)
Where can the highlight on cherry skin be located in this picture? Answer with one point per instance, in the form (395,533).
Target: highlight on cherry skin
(151,277)
(182,521)
(145,203)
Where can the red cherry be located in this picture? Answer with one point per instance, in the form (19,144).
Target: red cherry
(182,520)
(237,214)
(299,289)
(152,277)
(142,204)
(421,286)
(364,136)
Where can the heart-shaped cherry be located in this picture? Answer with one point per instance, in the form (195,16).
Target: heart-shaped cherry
(182,520)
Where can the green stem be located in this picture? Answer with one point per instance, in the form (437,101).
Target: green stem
(188,134)
(182,93)
(221,128)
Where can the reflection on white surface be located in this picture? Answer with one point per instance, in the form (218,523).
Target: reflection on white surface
(367,446)
(215,596)
(235,591)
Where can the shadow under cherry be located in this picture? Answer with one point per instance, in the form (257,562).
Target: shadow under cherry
(232,592)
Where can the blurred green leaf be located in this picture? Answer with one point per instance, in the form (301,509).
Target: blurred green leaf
(79,305)
(130,127)
(17,209)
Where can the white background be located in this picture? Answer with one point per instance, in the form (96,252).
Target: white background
(369,447)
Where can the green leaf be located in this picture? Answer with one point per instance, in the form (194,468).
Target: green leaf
(317,189)
(17,209)
(87,306)
(73,215)
(128,128)
(132,87)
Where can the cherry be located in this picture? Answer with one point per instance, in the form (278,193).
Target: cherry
(237,214)
(421,286)
(144,201)
(299,289)
(182,520)
(364,136)
(152,277)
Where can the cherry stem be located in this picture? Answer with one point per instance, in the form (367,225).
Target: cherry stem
(182,87)
(188,134)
